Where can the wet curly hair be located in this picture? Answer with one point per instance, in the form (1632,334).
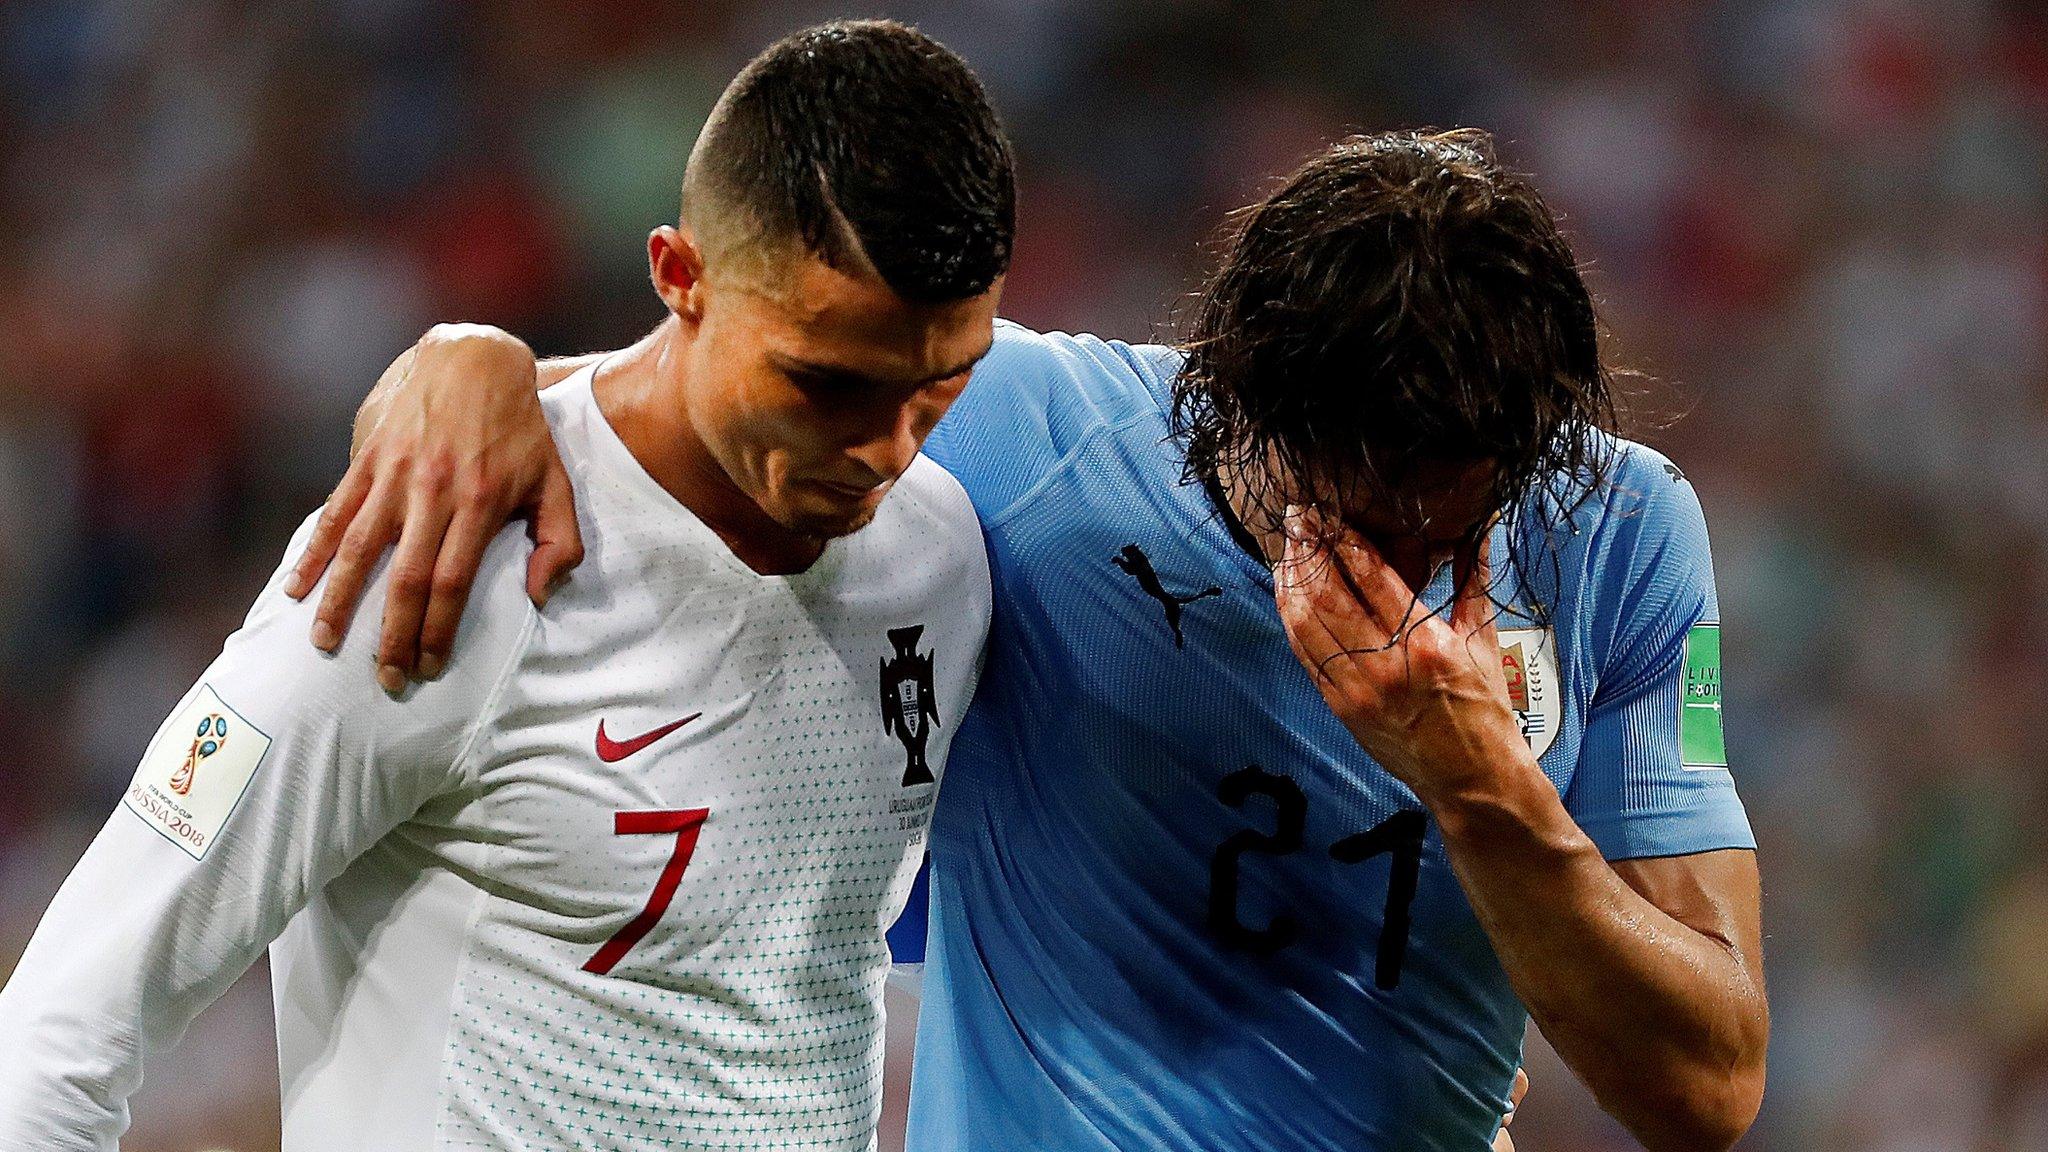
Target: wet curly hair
(1401,303)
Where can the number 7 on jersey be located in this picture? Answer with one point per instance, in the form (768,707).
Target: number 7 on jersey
(683,823)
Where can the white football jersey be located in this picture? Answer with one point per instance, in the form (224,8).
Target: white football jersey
(619,879)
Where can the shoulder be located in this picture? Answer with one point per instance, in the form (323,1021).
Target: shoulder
(928,514)
(932,497)
(1109,376)
(1626,545)
(1078,381)
(922,552)
(1646,571)
(1639,479)
(571,411)
(1648,511)
(1630,495)
(496,623)
(1036,397)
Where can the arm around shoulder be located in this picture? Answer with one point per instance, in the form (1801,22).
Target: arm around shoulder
(451,443)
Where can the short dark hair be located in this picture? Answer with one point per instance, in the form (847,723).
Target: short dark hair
(866,139)
(1401,300)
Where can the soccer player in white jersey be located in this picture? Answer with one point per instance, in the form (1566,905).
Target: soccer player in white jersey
(619,877)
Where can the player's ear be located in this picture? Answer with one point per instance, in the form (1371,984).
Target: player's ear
(676,266)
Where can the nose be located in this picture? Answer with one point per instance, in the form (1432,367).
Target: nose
(887,452)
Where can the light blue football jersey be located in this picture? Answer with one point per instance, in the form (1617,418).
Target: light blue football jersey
(1174,906)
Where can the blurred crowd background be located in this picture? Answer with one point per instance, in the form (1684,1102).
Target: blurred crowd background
(1817,227)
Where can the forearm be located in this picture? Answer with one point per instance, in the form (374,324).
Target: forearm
(112,976)
(59,1090)
(1665,1023)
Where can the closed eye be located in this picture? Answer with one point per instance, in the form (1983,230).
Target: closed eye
(827,383)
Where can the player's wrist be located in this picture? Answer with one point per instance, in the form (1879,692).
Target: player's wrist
(464,337)
(483,353)
(1508,797)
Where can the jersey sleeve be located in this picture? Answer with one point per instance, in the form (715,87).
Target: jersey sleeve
(279,767)
(1652,777)
(1034,400)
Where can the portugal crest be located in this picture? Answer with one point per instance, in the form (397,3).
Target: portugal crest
(910,707)
(1528,660)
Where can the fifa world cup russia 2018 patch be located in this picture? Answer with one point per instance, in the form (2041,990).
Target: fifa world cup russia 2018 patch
(1701,745)
(195,771)
(1528,661)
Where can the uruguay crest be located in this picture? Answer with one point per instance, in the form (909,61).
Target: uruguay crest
(1528,660)
(910,706)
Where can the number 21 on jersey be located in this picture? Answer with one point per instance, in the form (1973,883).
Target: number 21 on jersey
(1400,836)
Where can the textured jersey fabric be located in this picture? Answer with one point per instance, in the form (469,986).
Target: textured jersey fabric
(619,879)
(1174,905)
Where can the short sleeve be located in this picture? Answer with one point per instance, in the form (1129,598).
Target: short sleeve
(1652,777)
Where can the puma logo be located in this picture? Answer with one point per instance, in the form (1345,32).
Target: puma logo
(1134,561)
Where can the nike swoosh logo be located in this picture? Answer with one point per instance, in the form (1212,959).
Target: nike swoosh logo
(612,751)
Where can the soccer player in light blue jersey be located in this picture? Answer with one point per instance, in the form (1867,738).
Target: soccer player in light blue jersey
(1353,695)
